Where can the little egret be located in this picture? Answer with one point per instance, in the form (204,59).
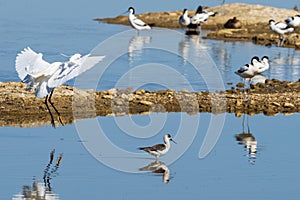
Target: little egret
(43,77)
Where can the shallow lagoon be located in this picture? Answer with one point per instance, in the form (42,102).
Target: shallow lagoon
(228,171)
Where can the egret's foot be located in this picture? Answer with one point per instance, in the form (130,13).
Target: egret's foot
(60,120)
(53,123)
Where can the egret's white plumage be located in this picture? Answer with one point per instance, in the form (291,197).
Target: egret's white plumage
(135,22)
(43,77)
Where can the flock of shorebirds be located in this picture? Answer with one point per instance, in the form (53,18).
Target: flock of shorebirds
(44,77)
(193,24)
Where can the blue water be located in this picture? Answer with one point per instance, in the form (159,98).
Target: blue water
(227,172)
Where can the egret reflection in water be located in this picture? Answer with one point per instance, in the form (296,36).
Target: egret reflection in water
(247,140)
(160,168)
(42,190)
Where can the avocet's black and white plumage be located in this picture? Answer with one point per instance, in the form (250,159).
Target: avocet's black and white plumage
(184,19)
(280,28)
(260,66)
(293,21)
(255,68)
(159,149)
(201,15)
(246,71)
(43,77)
(135,22)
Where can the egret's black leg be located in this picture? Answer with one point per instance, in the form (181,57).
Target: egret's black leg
(52,119)
(59,116)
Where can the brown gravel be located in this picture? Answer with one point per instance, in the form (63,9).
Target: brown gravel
(19,107)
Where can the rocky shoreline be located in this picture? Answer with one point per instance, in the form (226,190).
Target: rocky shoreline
(19,107)
(254,20)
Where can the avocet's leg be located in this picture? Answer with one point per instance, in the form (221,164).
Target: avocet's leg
(249,95)
(282,41)
(59,116)
(52,119)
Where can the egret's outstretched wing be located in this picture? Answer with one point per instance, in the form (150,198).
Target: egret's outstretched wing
(72,69)
(30,63)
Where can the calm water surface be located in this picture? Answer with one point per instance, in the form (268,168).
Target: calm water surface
(265,168)
(229,171)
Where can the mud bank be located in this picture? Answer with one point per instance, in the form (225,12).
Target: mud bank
(254,20)
(19,107)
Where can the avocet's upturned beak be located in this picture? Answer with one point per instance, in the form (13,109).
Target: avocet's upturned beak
(173,141)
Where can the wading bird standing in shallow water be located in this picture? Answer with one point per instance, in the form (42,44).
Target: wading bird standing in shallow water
(43,77)
(135,22)
(280,28)
(248,71)
(159,149)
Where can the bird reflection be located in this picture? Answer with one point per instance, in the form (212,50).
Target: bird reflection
(42,190)
(160,168)
(248,141)
(136,45)
(259,78)
(191,47)
(286,65)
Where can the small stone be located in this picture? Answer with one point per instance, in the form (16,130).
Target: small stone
(147,103)
(276,104)
(240,85)
(112,91)
(288,105)
(238,114)
(239,102)
(140,92)
(124,96)
(107,97)
(118,102)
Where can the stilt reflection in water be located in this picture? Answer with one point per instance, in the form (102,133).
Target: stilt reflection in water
(247,140)
(160,168)
(42,190)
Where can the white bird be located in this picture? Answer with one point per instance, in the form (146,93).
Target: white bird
(246,72)
(293,21)
(260,66)
(159,149)
(201,15)
(280,28)
(184,19)
(135,22)
(43,77)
